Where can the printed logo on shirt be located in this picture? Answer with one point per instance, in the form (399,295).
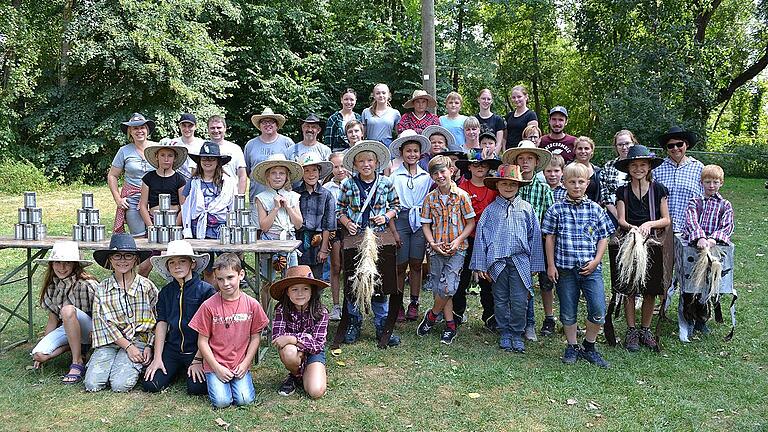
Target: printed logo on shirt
(238,317)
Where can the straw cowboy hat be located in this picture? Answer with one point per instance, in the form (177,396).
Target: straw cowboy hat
(210,149)
(450,140)
(119,243)
(638,152)
(476,155)
(259,173)
(505,172)
(150,153)
(137,119)
(525,146)
(409,135)
(178,248)
(679,133)
(312,158)
(420,94)
(65,251)
(301,274)
(268,113)
(379,149)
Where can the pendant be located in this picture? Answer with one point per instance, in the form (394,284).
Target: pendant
(226,325)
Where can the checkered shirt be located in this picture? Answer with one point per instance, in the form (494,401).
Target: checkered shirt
(311,335)
(612,178)
(577,228)
(335,137)
(448,220)
(69,291)
(409,121)
(683,183)
(558,193)
(538,195)
(350,204)
(709,218)
(124,313)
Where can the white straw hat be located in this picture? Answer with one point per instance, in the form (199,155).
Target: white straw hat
(66,251)
(178,248)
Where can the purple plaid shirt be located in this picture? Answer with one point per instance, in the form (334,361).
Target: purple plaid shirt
(310,334)
(709,218)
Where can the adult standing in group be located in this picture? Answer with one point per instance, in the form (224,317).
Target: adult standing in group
(420,118)
(335,136)
(310,129)
(260,148)
(453,120)
(187,125)
(557,141)
(520,118)
(584,150)
(217,130)
(612,178)
(380,118)
(489,120)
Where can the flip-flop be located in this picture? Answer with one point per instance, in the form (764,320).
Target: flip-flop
(76,377)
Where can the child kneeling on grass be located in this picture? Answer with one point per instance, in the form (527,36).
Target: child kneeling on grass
(507,251)
(229,326)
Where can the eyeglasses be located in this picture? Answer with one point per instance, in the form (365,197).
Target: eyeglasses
(123,256)
(678,144)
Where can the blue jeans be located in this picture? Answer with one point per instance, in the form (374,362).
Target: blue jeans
(380,307)
(510,299)
(569,287)
(238,391)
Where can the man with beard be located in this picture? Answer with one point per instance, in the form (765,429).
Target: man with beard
(557,141)
(310,129)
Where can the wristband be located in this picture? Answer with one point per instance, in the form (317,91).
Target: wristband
(128,346)
(198,358)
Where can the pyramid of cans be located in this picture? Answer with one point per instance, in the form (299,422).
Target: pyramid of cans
(238,229)
(30,226)
(88,227)
(165,228)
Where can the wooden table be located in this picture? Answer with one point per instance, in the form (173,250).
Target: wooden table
(38,248)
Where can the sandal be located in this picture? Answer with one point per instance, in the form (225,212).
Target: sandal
(74,378)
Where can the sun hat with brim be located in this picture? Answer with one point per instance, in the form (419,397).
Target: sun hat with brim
(505,172)
(638,152)
(420,94)
(268,113)
(450,140)
(259,173)
(379,149)
(300,274)
(409,135)
(65,251)
(210,149)
(525,146)
(312,158)
(119,243)
(679,133)
(150,153)
(476,156)
(138,119)
(178,248)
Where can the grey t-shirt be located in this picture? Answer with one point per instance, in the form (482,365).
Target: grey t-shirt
(299,149)
(257,151)
(132,163)
(380,127)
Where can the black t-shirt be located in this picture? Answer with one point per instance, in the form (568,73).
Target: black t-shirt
(516,126)
(494,123)
(637,211)
(163,185)
(593,189)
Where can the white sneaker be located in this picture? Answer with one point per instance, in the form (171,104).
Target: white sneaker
(530,333)
(335,313)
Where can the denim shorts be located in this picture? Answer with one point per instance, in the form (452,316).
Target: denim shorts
(570,286)
(445,271)
(414,244)
(316,358)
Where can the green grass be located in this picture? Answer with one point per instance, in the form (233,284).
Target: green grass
(422,385)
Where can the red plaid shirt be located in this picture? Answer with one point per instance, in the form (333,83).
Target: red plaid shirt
(410,121)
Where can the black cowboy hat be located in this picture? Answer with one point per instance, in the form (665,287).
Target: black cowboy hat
(678,132)
(119,243)
(210,149)
(638,152)
(476,155)
(459,154)
(138,119)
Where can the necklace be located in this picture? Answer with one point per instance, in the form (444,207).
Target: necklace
(237,308)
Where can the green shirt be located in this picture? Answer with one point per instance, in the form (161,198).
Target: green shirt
(538,195)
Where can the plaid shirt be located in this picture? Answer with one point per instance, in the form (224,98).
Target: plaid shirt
(577,228)
(350,204)
(558,193)
(538,195)
(508,229)
(69,291)
(335,137)
(709,218)
(409,121)
(448,220)
(683,182)
(310,335)
(611,179)
(124,313)
(318,208)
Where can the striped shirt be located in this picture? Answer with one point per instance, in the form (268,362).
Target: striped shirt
(577,228)
(710,217)
(128,313)
(69,291)
(538,195)
(351,202)
(309,334)
(449,218)
(683,183)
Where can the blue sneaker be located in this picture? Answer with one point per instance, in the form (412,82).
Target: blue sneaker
(518,346)
(571,355)
(425,326)
(593,357)
(353,333)
(505,343)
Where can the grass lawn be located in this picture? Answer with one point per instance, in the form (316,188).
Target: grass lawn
(423,385)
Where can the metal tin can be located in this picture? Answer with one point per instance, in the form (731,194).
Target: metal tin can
(77,233)
(163,235)
(176,233)
(240,202)
(30,199)
(244,218)
(29,232)
(158,217)
(99,232)
(224,233)
(41,231)
(237,235)
(152,234)
(170,218)
(232,219)
(87,234)
(82,217)
(94,218)
(87,200)
(251,234)
(23,216)
(18,231)
(35,215)
(165,201)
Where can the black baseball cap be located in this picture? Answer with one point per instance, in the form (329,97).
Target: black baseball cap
(187,118)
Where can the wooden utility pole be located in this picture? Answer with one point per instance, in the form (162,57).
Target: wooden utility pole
(428,47)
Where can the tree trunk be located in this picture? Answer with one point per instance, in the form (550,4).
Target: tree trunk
(457,47)
(65,43)
(536,75)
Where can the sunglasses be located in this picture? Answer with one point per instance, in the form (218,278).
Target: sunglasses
(676,144)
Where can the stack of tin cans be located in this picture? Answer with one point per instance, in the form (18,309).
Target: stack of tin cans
(30,226)
(88,227)
(165,228)
(238,229)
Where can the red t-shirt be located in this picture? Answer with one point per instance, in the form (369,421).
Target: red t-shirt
(481,197)
(562,147)
(229,326)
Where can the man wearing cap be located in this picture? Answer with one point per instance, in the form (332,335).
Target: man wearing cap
(557,141)
(217,130)
(310,129)
(269,143)
(187,125)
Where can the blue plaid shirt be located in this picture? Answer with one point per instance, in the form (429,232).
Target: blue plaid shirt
(683,183)
(559,193)
(508,229)
(577,228)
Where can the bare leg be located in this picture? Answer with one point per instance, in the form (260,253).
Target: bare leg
(592,331)
(315,380)
(548,300)
(72,329)
(401,269)
(414,279)
(291,358)
(629,310)
(649,301)
(570,333)
(145,267)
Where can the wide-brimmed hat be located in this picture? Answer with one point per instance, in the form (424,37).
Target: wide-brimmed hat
(119,243)
(379,149)
(505,172)
(312,118)
(150,153)
(65,251)
(638,152)
(680,133)
(312,158)
(409,135)
(420,94)
(450,140)
(476,155)
(268,113)
(259,173)
(458,153)
(300,274)
(187,118)
(178,248)
(210,149)
(525,146)
(138,119)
